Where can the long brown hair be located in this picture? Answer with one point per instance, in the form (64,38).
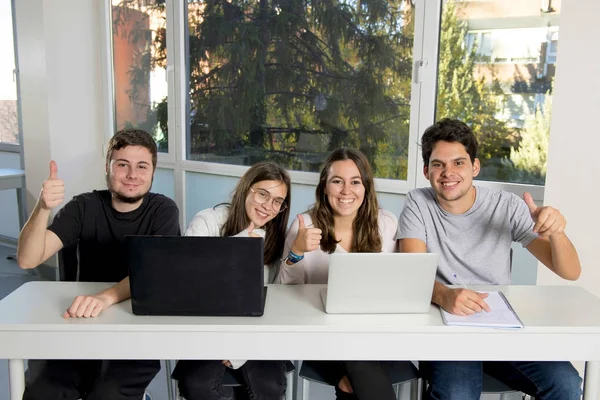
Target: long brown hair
(365,236)
(238,220)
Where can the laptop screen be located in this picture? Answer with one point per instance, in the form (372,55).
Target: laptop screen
(191,275)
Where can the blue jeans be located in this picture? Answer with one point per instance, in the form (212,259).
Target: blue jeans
(201,380)
(462,380)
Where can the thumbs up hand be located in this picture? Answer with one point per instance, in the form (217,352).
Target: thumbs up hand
(548,220)
(53,189)
(251,231)
(307,239)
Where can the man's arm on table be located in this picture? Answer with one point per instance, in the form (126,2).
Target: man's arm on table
(456,301)
(93,305)
(166,223)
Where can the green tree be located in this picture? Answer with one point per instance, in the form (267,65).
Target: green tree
(531,156)
(472,100)
(290,81)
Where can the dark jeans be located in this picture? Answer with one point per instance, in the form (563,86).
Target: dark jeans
(202,380)
(89,379)
(368,379)
(462,380)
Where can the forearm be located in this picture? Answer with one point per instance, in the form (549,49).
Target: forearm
(439,291)
(565,261)
(32,239)
(117,293)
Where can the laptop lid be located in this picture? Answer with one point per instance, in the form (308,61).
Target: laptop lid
(192,275)
(380,283)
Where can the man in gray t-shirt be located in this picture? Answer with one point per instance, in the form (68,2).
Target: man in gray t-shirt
(472,229)
(474,247)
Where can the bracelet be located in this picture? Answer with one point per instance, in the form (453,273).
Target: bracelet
(293,258)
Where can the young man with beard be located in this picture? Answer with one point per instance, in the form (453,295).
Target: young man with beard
(97,223)
(472,229)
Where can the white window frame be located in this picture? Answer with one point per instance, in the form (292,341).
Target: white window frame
(422,112)
(5,146)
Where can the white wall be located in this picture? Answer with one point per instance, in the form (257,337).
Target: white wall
(61,93)
(573,167)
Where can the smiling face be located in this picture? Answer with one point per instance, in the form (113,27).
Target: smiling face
(451,172)
(344,189)
(259,213)
(129,175)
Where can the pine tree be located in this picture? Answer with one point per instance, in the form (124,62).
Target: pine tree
(290,81)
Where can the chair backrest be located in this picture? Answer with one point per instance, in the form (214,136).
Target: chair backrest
(68,263)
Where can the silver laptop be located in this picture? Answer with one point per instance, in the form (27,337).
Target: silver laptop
(379,283)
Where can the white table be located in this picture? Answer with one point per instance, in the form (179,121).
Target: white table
(561,323)
(15,179)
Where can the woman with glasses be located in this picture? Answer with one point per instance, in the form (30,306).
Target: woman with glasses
(345,218)
(259,208)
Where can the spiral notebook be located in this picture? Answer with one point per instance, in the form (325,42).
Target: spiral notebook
(502,315)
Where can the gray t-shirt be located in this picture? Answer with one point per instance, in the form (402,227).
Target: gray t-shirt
(475,245)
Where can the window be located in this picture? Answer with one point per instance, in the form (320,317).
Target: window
(9,117)
(552,48)
(499,83)
(139,56)
(290,81)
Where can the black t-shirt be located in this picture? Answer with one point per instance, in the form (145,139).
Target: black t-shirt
(90,220)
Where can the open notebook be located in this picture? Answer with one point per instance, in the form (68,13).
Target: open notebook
(501,316)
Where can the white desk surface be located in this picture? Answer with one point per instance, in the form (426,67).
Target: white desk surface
(561,323)
(11,178)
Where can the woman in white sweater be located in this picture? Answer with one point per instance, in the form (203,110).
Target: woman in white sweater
(345,218)
(259,208)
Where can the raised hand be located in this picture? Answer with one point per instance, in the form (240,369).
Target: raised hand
(548,220)
(307,239)
(251,232)
(53,189)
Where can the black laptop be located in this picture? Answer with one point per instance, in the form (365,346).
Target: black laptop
(192,275)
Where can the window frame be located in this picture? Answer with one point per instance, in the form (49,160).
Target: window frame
(422,112)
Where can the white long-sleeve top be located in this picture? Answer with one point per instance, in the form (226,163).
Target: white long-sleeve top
(314,267)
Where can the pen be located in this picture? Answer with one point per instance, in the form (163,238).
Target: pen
(461,283)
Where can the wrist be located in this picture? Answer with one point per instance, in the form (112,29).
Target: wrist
(297,252)
(293,258)
(40,207)
(108,297)
(557,235)
(439,292)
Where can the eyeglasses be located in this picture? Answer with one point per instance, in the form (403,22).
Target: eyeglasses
(262,196)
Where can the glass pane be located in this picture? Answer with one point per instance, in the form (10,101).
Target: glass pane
(9,120)
(290,81)
(496,73)
(140,60)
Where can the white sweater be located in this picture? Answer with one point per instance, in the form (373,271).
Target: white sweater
(314,267)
